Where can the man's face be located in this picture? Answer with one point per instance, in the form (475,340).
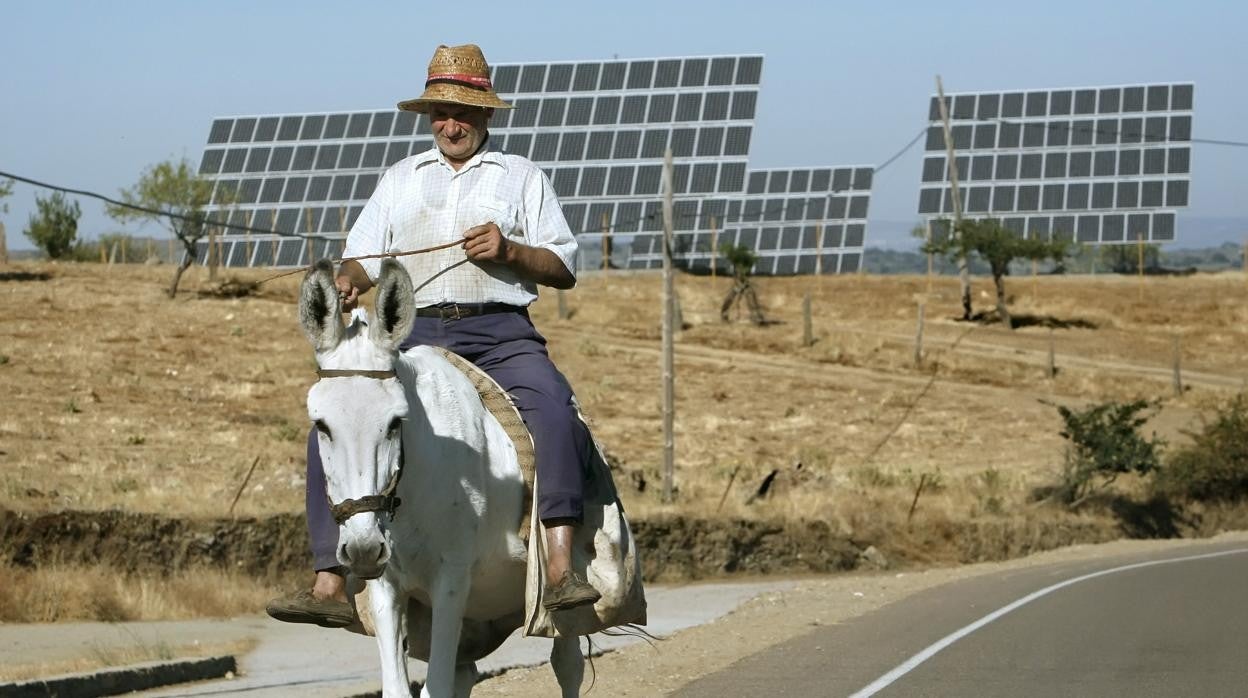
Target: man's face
(458,129)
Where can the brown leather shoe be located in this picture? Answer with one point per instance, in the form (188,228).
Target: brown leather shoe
(302,607)
(570,592)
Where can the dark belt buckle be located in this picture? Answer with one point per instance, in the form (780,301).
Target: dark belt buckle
(451,312)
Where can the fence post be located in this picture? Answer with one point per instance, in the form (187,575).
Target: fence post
(918,337)
(668,338)
(1178,369)
(1052,356)
(808,330)
(715,247)
(4,246)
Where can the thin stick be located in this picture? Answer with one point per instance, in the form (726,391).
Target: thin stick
(243,486)
(915,503)
(731,479)
(715,248)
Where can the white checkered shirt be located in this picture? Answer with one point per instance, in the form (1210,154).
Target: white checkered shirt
(422,202)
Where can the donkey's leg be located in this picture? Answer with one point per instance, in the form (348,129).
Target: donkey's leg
(449,597)
(387,606)
(569,664)
(465,679)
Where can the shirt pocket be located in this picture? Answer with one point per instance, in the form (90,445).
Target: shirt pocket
(501,213)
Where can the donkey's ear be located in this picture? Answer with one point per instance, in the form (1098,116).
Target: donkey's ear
(395,306)
(320,308)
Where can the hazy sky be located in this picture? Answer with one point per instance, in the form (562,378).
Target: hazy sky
(93,92)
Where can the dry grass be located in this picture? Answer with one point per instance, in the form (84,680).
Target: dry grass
(121,398)
(100,592)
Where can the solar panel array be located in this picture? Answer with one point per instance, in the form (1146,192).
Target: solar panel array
(1099,165)
(599,129)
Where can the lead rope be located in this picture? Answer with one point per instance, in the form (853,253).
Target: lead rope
(339,262)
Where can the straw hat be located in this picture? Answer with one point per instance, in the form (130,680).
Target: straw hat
(459,75)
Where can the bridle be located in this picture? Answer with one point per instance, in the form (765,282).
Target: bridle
(385,501)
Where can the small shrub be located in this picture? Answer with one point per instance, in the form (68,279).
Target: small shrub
(289,432)
(1215,466)
(1104,442)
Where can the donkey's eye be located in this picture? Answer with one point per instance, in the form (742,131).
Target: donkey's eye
(396,424)
(323,428)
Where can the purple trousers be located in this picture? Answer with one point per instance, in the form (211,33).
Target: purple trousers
(508,348)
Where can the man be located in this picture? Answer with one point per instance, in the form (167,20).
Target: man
(473,300)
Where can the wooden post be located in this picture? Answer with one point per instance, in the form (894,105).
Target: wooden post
(112,255)
(964,270)
(212,253)
(669,377)
(1178,370)
(1035,272)
(714,249)
(606,242)
(1139,264)
(918,337)
(103,257)
(4,246)
(927,237)
(307,217)
(819,257)
(808,330)
(125,246)
(1052,356)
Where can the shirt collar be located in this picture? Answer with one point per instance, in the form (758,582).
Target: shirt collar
(484,155)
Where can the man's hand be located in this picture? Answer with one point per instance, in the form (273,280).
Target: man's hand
(485,243)
(348,293)
(352,282)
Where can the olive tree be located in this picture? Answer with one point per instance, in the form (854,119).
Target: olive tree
(173,195)
(997,246)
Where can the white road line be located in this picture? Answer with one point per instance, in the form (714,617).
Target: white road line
(931,650)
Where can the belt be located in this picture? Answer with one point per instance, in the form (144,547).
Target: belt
(456,311)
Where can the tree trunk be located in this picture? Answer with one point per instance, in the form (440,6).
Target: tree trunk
(729,301)
(1002,311)
(964,278)
(187,260)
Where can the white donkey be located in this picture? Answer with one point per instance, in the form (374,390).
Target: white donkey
(426,488)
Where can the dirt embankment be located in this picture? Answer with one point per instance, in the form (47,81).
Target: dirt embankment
(672,548)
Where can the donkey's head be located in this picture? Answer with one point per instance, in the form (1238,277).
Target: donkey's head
(358,406)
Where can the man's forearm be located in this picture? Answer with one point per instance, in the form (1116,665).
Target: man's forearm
(539,265)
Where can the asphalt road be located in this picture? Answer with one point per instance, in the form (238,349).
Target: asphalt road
(1172,624)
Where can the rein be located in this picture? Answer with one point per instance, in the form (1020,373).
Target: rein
(385,501)
(339,262)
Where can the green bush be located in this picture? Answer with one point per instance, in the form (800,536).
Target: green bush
(54,228)
(1215,466)
(1105,442)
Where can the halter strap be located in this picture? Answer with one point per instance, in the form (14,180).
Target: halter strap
(346,372)
(383,503)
